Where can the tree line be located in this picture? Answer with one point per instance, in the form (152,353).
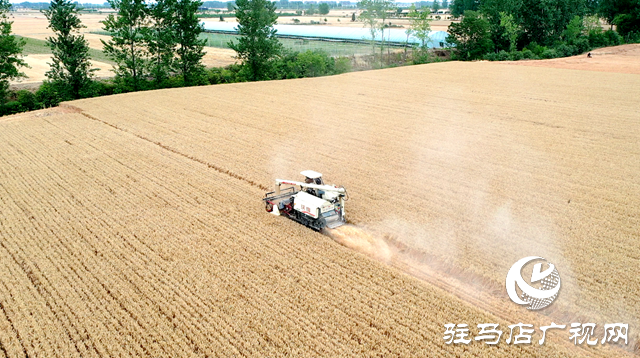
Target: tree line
(516,29)
(154,44)
(374,15)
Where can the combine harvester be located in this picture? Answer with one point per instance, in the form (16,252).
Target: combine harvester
(315,205)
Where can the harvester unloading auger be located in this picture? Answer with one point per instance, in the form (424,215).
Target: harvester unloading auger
(315,204)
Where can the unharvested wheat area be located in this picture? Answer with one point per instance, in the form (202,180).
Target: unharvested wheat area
(132,225)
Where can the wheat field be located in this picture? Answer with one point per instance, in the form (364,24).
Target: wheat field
(132,224)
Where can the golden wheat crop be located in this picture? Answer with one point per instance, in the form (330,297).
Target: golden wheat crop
(476,165)
(132,225)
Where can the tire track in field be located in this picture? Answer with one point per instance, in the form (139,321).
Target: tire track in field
(173,150)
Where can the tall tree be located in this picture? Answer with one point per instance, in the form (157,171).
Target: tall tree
(161,40)
(628,22)
(323,9)
(419,26)
(127,47)
(257,46)
(383,7)
(458,7)
(71,67)
(369,18)
(627,11)
(10,50)
(511,29)
(190,47)
(471,36)
(544,21)
(609,9)
(374,10)
(503,16)
(311,10)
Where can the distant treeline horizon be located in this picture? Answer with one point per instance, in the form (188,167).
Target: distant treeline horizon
(281,4)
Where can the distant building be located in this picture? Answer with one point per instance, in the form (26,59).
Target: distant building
(394,13)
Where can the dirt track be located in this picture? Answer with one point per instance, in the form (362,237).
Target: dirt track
(619,59)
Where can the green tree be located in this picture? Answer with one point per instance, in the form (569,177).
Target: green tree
(383,7)
(511,29)
(435,6)
(311,10)
(503,16)
(471,36)
(190,47)
(127,47)
(419,26)
(160,40)
(257,46)
(629,23)
(374,10)
(573,31)
(609,9)
(323,9)
(591,7)
(231,6)
(544,21)
(10,50)
(458,7)
(313,63)
(445,4)
(71,67)
(368,17)
(625,14)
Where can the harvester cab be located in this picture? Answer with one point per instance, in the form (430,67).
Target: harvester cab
(312,177)
(314,204)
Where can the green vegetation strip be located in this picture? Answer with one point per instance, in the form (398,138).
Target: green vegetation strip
(332,48)
(39,47)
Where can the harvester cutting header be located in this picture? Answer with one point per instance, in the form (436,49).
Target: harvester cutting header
(315,204)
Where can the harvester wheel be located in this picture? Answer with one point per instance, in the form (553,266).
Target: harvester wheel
(269,207)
